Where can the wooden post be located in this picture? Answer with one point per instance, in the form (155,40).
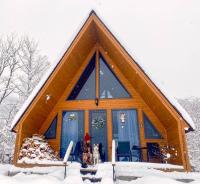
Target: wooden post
(87,123)
(109,132)
(141,131)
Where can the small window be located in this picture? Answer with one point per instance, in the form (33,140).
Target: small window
(85,87)
(110,86)
(150,130)
(51,131)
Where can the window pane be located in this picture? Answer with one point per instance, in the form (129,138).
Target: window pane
(150,130)
(51,131)
(85,87)
(110,86)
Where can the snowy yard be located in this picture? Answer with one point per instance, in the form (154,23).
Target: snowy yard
(127,173)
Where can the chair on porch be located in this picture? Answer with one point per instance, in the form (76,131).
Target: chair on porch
(154,153)
(137,153)
(123,150)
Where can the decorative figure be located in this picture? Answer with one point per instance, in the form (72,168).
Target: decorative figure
(72,116)
(168,153)
(96,155)
(87,155)
(122,119)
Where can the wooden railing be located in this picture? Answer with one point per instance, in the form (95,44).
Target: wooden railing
(66,157)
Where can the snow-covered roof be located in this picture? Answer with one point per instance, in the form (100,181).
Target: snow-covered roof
(125,44)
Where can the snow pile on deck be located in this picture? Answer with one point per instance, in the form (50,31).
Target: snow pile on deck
(36,150)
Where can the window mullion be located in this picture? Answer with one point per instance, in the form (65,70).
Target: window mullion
(97,73)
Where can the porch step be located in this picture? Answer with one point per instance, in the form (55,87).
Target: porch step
(85,171)
(90,174)
(92,179)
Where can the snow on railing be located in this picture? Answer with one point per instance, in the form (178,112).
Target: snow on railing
(67,154)
(113,152)
(113,159)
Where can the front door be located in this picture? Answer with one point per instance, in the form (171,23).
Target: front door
(98,131)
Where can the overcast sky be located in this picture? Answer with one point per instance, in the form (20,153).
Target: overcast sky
(164,36)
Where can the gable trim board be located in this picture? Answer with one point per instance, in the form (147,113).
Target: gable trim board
(184,116)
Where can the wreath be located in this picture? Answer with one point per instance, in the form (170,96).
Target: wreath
(98,122)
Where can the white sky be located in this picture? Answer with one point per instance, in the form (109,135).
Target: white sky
(163,35)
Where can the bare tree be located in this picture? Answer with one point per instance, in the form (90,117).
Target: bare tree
(21,68)
(32,67)
(9,49)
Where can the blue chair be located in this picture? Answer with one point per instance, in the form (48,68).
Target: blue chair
(123,150)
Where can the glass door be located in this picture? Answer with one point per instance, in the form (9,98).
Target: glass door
(126,129)
(98,132)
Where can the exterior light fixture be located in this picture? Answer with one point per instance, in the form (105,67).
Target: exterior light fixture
(97,101)
(47,98)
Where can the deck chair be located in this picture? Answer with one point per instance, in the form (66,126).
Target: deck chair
(123,150)
(154,153)
(137,153)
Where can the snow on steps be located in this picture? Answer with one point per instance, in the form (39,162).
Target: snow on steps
(98,173)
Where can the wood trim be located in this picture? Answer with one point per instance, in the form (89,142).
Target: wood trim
(109,133)
(59,129)
(87,123)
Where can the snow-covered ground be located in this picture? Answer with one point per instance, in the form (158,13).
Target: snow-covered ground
(125,171)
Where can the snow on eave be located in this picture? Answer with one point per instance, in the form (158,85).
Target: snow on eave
(42,82)
(36,90)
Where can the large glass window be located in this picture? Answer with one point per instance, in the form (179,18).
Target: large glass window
(150,130)
(51,131)
(85,87)
(110,86)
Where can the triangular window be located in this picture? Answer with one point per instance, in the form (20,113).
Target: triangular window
(110,86)
(106,82)
(85,87)
(150,130)
(51,131)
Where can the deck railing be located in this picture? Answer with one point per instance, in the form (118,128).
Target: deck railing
(66,157)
